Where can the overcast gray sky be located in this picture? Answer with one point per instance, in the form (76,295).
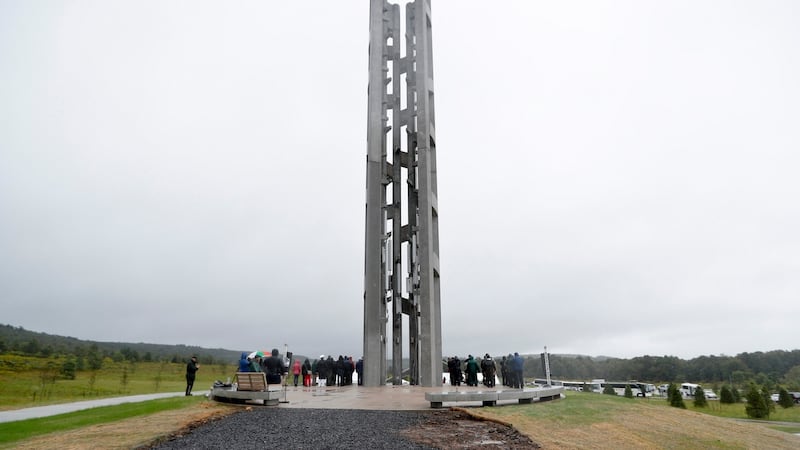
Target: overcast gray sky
(615,177)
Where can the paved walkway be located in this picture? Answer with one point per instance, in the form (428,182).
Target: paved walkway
(405,398)
(53,410)
(397,398)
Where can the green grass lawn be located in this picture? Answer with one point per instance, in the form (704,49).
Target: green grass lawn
(11,432)
(579,409)
(736,410)
(591,408)
(27,381)
(582,420)
(594,409)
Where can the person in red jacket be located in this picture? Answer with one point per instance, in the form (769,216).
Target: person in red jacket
(296,369)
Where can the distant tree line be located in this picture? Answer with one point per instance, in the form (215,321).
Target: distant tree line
(770,369)
(89,355)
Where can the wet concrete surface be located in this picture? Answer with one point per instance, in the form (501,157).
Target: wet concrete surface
(390,397)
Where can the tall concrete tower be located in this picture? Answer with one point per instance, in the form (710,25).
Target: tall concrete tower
(401,276)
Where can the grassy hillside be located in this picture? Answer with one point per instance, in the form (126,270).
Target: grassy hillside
(28,381)
(585,420)
(577,422)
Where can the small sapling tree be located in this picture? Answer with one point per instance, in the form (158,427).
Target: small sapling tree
(726,395)
(674,397)
(737,396)
(785,399)
(756,407)
(628,392)
(700,398)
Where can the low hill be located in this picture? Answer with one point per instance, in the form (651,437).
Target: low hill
(18,339)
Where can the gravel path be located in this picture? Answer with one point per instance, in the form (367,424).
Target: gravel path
(303,429)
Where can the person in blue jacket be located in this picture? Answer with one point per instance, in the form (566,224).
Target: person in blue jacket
(519,366)
(244,364)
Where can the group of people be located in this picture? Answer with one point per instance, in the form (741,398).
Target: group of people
(511,371)
(339,372)
(322,372)
(336,372)
(302,369)
(272,366)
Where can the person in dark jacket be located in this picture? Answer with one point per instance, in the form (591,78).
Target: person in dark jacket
(191,369)
(330,364)
(489,369)
(274,368)
(315,371)
(307,373)
(360,370)
(452,365)
(322,371)
(459,375)
(340,369)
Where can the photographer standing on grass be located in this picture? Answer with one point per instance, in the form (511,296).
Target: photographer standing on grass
(191,369)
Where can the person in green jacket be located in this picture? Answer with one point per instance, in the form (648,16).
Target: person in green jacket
(472,371)
(255,364)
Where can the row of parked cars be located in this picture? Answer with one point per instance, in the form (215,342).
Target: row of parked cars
(687,391)
(795,396)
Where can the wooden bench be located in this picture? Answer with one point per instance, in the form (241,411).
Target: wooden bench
(250,381)
(250,386)
(490,398)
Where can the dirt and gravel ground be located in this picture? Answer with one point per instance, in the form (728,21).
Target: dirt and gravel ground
(458,429)
(653,429)
(213,425)
(337,428)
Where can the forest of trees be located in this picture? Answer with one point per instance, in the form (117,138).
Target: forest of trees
(769,369)
(765,368)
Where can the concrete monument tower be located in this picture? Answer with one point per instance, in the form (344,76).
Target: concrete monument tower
(401,276)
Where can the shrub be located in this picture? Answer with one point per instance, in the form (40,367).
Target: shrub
(700,398)
(68,369)
(628,392)
(609,390)
(726,395)
(674,397)
(785,399)
(765,392)
(756,407)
